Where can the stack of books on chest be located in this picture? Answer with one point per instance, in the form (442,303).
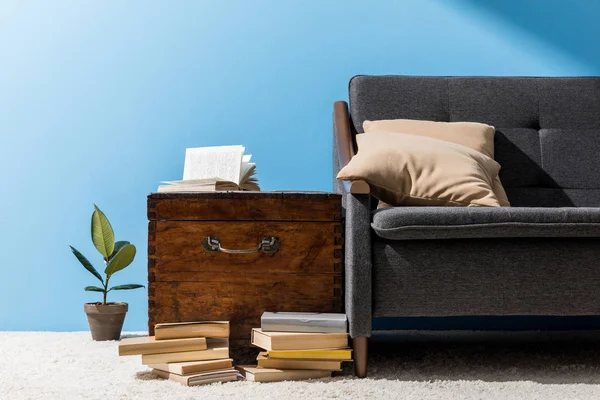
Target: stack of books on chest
(191,353)
(298,346)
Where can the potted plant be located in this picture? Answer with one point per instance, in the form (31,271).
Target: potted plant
(106,319)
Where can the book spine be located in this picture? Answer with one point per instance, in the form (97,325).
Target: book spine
(287,325)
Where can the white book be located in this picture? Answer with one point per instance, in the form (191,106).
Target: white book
(304,322)
(215,168)
(222,163)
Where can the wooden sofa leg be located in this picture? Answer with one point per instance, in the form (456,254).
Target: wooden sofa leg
(360,345)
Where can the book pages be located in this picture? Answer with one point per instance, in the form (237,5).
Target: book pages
(222,163)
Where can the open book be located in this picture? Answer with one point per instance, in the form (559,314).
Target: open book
(208,169)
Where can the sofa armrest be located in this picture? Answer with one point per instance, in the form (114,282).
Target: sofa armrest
(358,264)
(344,147)
(357,242)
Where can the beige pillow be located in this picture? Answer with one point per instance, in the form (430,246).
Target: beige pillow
(474,135)
(415,170)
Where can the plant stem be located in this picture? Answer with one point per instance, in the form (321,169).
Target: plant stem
(105,289)
(105,283)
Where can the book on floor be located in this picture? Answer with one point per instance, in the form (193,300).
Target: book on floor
(179,330)
(298,340)
(194,367)
(149,345)
(215,168)
(216,349)
(204,378)
(304,322)
(264,361)
(331,354)
(254,374)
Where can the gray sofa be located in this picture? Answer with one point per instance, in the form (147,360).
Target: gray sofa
(539,258)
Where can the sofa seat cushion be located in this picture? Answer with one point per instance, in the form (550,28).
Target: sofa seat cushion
(417,223)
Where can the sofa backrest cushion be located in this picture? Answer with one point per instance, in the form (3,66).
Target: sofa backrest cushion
(547,129)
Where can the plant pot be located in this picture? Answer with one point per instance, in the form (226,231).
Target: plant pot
(106,320)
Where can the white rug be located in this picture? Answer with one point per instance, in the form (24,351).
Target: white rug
(44,365)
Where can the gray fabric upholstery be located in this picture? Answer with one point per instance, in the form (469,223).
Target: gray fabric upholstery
(382,98)
(553,197)
(543,276)
(517,150)
(496,101)
(505,102)
(358,264)
(427,223)
(568,103)
(357,255)
(571,157)
(548,129)
(547,141)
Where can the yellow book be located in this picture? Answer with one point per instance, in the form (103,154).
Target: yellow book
(298,340)
(336,355)
(264,361)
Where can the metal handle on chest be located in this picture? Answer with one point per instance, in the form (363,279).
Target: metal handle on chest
(269,244)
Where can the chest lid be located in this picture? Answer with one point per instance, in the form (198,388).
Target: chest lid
(245,206)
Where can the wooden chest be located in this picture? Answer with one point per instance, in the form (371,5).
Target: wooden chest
(290,258)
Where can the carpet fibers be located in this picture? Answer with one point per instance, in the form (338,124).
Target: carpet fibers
(47,365)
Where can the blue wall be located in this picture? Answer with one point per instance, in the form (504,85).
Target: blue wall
(98,101)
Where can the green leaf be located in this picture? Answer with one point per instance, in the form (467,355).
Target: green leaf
(94,289)
(118,246)
(126,287)
(86,264)
(121,260)
(102,233)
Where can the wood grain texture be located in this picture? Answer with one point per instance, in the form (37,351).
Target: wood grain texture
(245,206)
(305,247)
(345,145)
(187,283)
(242,299)
(358,187)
